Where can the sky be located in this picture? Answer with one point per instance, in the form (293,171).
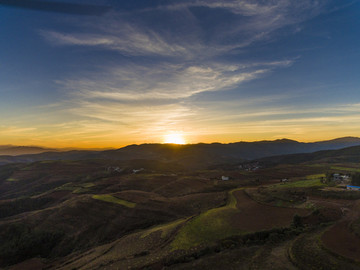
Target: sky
(206,70)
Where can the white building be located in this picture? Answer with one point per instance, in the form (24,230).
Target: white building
(137,170)
(348,187)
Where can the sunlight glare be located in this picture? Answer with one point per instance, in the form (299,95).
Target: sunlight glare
(174,138)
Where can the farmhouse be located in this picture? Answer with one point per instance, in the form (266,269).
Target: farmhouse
(225,178)
(115,169)
(249,166)
(348,187)
(340,178)
(137,170)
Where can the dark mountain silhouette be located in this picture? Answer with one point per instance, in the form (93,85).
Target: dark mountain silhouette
(193,155)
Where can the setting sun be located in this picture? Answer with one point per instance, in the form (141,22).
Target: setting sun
(174,138)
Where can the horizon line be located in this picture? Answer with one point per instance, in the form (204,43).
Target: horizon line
(69,148)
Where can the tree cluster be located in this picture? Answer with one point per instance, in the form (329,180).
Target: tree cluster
(355,179)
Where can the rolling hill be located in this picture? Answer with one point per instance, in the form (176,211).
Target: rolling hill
(90,210)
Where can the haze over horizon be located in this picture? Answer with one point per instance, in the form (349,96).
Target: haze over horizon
(194,71)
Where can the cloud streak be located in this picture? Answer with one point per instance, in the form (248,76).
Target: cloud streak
(108,123)
(165,81)
(139,36)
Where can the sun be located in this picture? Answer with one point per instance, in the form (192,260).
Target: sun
(174,138)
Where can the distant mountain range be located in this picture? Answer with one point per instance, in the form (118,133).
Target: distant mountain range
(190,155)
(13,150)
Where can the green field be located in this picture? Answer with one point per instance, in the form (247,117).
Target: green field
(316,182)
(208,227)
(345,169)
(68,186)
(12,180)
(112,199)
(165,228)
(315,176)
(76,188)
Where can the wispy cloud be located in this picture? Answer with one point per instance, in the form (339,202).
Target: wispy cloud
(165,81)
(153,100)
(13,130)
(196,67)
(249,7)
(139,36)
(129,41)
(79,39)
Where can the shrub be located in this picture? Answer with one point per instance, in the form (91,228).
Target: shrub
(297,221)
(19,242)
(355,179)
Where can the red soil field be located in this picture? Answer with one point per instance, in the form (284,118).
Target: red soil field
(254,216)
(341,240)
(31,264)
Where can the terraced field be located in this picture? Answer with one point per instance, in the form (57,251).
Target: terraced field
(340,239)
(307,253)
(241,215)
(111,199)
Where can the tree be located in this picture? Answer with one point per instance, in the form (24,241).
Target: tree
(329,177)
(355,179)
(297,221)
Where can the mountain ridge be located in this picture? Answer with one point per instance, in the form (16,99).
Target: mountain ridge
(15,150)
(348,154)
(192,155)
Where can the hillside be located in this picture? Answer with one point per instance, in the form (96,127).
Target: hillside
(349,154)
(100,214)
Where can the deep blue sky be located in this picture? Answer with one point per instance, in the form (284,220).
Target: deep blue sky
(208,70)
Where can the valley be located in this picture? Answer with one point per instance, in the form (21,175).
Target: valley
(153,214)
